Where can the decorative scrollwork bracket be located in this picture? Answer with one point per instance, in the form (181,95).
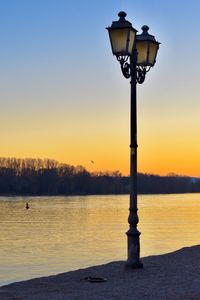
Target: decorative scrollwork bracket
(125,66)
(131,68)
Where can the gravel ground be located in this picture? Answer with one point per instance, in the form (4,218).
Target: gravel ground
(170,276)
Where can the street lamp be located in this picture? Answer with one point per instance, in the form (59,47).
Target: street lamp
(136,54)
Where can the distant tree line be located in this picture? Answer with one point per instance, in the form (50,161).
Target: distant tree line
(48,177)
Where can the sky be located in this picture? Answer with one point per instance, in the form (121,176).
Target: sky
(63,96)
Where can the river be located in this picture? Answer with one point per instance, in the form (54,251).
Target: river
(59,234)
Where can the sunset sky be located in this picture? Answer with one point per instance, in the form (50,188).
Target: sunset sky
(63,96)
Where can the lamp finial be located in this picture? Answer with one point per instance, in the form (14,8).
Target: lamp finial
(145,29)
(122,15)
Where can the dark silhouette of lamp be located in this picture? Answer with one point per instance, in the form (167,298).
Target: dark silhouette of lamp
(136,54)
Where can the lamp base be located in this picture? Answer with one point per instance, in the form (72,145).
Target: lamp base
(133,265)
(133,261)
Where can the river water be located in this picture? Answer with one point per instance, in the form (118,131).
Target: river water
(58,234)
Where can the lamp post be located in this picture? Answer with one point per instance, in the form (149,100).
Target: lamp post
(136,54)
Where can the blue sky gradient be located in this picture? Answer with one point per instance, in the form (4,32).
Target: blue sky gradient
(63,96)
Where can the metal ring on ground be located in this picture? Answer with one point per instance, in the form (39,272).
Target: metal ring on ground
(95,279)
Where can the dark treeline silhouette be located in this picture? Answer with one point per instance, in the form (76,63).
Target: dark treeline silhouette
(48,177)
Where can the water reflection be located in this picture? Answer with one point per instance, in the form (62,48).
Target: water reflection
(58,234)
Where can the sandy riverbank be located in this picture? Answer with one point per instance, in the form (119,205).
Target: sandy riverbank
(171,276)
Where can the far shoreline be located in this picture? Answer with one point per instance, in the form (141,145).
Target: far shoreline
(96,194)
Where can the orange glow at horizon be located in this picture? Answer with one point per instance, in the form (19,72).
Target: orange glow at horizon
(166,142)
(160,151)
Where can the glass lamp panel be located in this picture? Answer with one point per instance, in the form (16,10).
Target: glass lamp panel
(142,49)
(131,41)
(153,48)
(119,40)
